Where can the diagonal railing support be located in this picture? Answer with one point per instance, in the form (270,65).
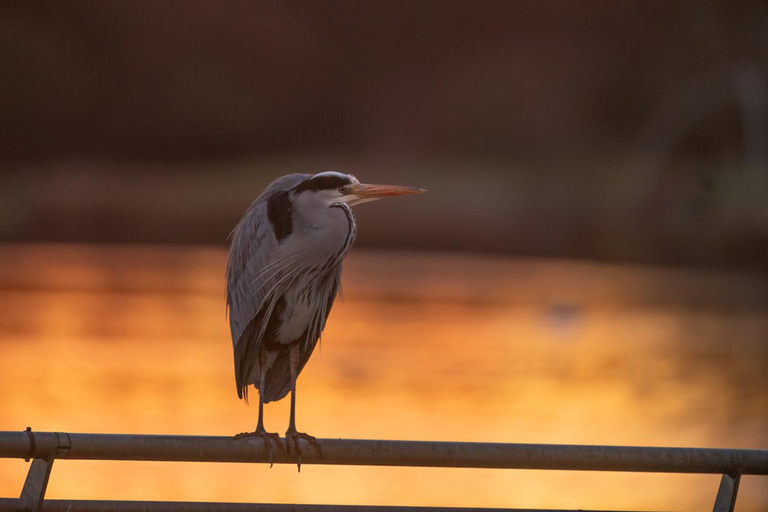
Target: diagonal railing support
(726,494)
(33,492)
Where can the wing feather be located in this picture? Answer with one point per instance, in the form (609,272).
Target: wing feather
(279,376)
(254,270)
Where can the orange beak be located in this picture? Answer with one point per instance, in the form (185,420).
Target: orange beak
(367,192)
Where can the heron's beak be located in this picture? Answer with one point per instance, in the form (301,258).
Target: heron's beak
(367,192)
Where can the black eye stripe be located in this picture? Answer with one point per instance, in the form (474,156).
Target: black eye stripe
(323,183)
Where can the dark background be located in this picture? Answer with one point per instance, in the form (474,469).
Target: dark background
(621,131)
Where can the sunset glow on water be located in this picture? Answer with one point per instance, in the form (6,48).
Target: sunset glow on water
(424,347)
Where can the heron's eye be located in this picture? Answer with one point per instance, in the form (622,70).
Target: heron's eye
(343,190)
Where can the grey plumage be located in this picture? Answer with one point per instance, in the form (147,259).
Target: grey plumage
(270,284)
(284,272)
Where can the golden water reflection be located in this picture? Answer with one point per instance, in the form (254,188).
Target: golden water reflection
(134,340)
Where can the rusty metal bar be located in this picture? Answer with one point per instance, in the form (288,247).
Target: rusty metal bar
(726,494)
(390,453)
(181,506)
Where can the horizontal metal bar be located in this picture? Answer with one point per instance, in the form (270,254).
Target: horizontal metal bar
(12,505)
(390,453)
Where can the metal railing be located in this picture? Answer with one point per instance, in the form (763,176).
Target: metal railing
(42,448)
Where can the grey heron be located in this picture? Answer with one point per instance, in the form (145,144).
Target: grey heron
(283,273)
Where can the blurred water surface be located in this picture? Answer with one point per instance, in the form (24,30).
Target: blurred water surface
(422,346)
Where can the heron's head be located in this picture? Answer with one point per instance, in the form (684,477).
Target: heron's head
(335,187)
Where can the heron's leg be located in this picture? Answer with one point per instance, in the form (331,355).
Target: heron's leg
(292,436)
(260,424)
(260,430)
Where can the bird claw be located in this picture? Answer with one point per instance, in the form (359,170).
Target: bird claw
(266,437)
(292,438)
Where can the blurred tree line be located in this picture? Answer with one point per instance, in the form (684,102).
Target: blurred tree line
(625,131)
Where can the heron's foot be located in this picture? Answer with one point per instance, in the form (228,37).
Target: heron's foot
(266,437)
(292,438)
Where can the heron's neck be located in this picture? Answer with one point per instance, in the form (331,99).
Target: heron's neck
(351,228)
